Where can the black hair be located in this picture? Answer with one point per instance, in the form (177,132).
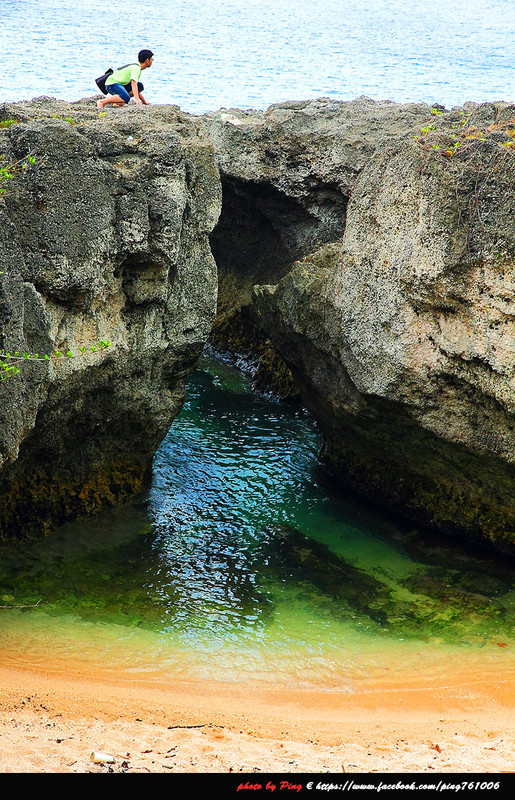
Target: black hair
(144,54)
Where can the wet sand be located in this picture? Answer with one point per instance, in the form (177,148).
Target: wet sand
(52,719)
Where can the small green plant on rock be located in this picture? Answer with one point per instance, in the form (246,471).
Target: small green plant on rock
(10,363)
(64,119)
(15,168)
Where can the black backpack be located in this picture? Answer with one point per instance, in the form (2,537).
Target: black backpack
(101,82)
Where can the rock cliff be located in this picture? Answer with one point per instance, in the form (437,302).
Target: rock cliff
(104,236)
(368,248)
(393,297)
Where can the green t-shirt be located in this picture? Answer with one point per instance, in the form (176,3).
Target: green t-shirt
(125,75)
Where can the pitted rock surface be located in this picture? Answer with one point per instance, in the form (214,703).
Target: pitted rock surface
(105,236)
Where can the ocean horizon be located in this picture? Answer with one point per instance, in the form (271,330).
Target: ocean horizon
(254,53)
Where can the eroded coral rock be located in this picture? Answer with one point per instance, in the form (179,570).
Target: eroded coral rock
(398,326)
(103,237)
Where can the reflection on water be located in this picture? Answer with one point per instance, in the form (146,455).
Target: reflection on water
(244,563)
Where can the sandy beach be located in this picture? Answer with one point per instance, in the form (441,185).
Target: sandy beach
(51,722)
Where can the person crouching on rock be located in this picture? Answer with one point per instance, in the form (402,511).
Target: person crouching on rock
(123,83)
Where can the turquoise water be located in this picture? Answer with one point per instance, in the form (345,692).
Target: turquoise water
(243,564)
(251,53)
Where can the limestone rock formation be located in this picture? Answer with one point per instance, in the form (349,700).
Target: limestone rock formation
(105,236)
(371,245)
(397,319)
(287,175)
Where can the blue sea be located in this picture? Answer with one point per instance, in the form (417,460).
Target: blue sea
(252,53)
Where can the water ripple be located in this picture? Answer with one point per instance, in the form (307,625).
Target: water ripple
(253,52)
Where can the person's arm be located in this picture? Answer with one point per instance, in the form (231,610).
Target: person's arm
(135,92)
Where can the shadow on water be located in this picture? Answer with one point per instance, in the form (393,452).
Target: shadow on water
(243,540)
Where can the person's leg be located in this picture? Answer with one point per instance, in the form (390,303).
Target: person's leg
(110,100)
(116,95)
(128,87)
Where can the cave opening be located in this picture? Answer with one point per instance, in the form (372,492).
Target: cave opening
(262,231)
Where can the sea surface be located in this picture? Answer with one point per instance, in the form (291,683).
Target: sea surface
(252,53)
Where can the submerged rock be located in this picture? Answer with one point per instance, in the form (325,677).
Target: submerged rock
(427,601)
(290,554)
